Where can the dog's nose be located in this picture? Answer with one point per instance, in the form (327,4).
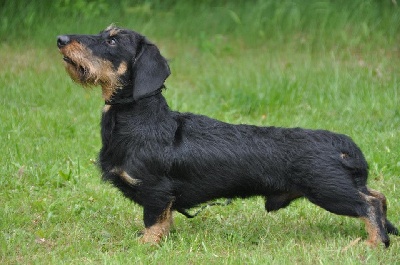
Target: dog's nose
(62,41)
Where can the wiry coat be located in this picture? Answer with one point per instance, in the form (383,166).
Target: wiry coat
(166,160)
(190,159)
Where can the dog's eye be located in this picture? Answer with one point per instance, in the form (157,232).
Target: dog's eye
(112,42)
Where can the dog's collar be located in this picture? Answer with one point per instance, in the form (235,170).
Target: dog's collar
(125,96)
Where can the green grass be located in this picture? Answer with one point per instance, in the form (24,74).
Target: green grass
(314,64)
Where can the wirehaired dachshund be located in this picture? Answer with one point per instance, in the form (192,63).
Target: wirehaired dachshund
(169,161)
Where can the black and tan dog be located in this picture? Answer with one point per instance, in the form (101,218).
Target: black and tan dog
(166,160)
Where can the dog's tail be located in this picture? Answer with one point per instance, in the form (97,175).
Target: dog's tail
(353,160)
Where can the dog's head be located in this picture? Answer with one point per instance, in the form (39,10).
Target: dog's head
(114,59)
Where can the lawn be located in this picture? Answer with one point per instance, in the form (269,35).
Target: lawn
(317,64)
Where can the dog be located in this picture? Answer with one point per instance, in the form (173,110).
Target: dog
(169,161)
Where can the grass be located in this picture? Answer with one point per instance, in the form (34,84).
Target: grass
(314,64)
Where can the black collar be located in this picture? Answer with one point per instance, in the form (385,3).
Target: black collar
(125,96)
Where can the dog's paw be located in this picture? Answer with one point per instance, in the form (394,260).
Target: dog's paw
(375,243)
(151,237)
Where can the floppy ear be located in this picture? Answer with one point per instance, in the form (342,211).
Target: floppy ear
(149,70)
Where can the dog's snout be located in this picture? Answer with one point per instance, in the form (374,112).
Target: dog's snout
(62,41)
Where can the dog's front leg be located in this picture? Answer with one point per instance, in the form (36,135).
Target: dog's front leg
(157,223)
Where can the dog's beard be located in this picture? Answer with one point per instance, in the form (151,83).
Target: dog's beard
(89,70)
(78,73)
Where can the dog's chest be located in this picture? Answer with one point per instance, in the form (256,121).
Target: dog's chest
(131,141)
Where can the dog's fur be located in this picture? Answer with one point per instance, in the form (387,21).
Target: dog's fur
(166,160)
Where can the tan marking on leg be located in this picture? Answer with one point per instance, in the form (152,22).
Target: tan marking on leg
(373,233)
(154,234)
(371,225)
(126,177)
(383,201)
(106,108)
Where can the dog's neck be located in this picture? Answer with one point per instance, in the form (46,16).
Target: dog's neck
(124,95)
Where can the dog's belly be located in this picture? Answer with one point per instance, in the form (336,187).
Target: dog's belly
(205,180)
(189,195)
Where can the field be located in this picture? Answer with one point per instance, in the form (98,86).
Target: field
(317,64)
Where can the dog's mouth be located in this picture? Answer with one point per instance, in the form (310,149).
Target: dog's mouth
(75,69)
(68,60)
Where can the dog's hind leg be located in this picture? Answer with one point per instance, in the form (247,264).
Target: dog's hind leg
(344,199)
(158,221)
(375,221)
(390,228)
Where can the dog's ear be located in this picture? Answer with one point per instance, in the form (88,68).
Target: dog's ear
(150,69)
